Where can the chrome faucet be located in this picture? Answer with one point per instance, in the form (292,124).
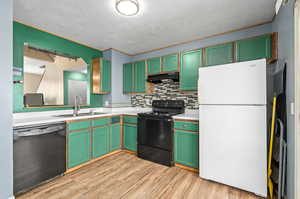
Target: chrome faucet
(76,106)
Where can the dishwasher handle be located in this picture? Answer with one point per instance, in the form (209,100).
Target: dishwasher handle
(39,131)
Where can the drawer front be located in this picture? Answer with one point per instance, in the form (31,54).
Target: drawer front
(78,125)
(188,126)
(129,119)
(101,122)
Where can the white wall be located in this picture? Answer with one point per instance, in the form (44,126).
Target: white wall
(117,60)
(6,158)
(52,85)
(31,82)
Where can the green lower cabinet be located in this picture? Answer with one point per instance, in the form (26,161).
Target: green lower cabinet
(73,126)
(100,141)
(219,54)
(130,137)
(115,137)
(190,63)
(186,148)
(254,48)
(79,144)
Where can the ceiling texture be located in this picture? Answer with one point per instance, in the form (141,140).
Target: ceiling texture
(160,22)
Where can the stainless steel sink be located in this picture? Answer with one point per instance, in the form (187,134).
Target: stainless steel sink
(80,114)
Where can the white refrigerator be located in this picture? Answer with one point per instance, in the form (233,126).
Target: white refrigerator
(233,125)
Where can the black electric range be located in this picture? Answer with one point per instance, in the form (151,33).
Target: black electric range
(155,131)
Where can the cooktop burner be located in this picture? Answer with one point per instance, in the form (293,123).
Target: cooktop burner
(165,108)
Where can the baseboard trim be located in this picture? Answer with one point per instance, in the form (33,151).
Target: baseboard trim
(187,168)
(127,151)
(91,161)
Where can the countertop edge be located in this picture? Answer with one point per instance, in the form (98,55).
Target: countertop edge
(53,119)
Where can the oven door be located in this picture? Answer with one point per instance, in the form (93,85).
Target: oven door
(155,132)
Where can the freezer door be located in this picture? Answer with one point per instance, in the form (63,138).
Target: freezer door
(233,146)
(237,83)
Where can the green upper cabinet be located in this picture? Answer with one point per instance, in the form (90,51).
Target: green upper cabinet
(100,141)
(170,62)
(115,137)
(79,144)
(101,76)
(128,78)
(219,54)
(139,77)
(134,77)
(130,137)
(153,65)
(190,62)
(254,48)
(186,148)
(106,76)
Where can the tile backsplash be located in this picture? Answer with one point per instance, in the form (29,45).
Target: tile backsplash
(168,90)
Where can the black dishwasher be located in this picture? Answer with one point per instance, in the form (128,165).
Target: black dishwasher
(39,154)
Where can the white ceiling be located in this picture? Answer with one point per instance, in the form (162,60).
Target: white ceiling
(160,22)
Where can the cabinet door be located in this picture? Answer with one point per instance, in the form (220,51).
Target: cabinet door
(100,141)
(254,48)
(140,77)
(187,148)
(106,76)
(153,65)
(130,119)
(96,83)
(127,78)
(115,137)
(190,62)
(78,147)
(130,137)
(170,63)
(219,54)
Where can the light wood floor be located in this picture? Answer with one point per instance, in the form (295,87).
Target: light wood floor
(123,175)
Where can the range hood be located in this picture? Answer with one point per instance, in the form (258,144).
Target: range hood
(156,79)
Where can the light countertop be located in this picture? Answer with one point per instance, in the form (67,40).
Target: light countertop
(33,118)
(188,115)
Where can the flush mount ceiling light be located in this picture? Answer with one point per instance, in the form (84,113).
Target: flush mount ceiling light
(127,7)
